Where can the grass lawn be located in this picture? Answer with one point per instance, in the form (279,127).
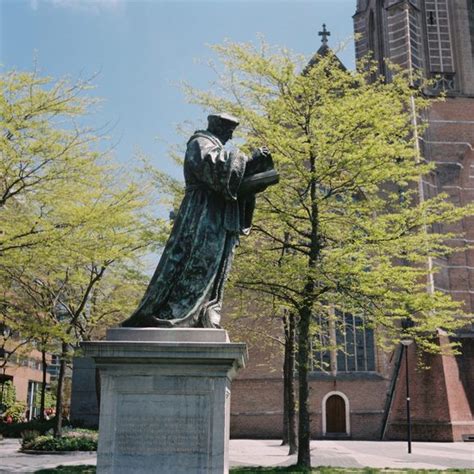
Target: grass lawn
(270,470)
(341,470)
(68,469)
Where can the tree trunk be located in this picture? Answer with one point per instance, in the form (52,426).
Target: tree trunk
(292,433)
(43,383)
(305,314)
(58,427)
(285,431)
(304,431)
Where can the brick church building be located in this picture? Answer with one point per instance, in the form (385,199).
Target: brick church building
(364,398)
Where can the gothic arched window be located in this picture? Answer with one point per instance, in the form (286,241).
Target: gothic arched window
(372,32)
(343,343)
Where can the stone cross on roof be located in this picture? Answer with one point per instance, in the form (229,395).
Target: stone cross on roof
(325,33)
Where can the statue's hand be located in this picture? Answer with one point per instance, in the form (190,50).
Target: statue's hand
(260,152)
(264,151)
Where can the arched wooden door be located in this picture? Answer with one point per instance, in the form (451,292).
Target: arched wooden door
(335,414)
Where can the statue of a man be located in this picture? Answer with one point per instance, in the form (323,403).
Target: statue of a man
(187,287)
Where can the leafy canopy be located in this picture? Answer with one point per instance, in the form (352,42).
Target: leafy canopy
(346,228)
(74,225)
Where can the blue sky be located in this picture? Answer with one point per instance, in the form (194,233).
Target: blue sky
(142,49)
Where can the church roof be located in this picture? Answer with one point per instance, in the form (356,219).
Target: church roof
(324,50)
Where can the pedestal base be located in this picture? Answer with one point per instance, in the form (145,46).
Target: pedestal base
(165,399)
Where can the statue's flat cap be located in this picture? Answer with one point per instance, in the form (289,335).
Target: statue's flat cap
(223,117)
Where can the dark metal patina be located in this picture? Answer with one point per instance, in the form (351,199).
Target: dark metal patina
(187,287)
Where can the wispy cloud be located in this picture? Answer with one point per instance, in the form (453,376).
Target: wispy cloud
(86,6)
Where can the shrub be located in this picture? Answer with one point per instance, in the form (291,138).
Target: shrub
(29,435)
(49,443)
(80,433)
(16,412)
(73,440)
(8,396)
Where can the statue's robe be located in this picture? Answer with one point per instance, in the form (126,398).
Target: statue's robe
(187,287)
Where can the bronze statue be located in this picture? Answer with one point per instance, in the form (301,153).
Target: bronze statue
(187,287)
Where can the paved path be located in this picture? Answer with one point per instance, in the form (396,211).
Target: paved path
(270,453)
(357,454)
(13,461)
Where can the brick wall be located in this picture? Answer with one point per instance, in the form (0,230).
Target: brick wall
(449,143)
(257,405)
(24,374)
(441,398)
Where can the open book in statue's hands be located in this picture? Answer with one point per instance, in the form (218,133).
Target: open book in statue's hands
(259,173)
(260,161)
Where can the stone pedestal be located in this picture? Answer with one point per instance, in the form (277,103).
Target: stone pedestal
(165,399)
(84,410)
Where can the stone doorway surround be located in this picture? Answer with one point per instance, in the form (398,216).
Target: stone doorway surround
(325,413)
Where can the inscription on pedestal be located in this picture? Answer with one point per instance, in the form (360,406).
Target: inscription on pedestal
(162,426)
(182,437)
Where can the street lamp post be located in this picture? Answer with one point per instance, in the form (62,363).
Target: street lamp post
(406,342)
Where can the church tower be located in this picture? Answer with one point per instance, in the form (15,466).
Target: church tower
(435,37)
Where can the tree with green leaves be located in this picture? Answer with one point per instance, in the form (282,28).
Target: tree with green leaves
(73,225)
(42,145)
(346,230)
(88,282)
